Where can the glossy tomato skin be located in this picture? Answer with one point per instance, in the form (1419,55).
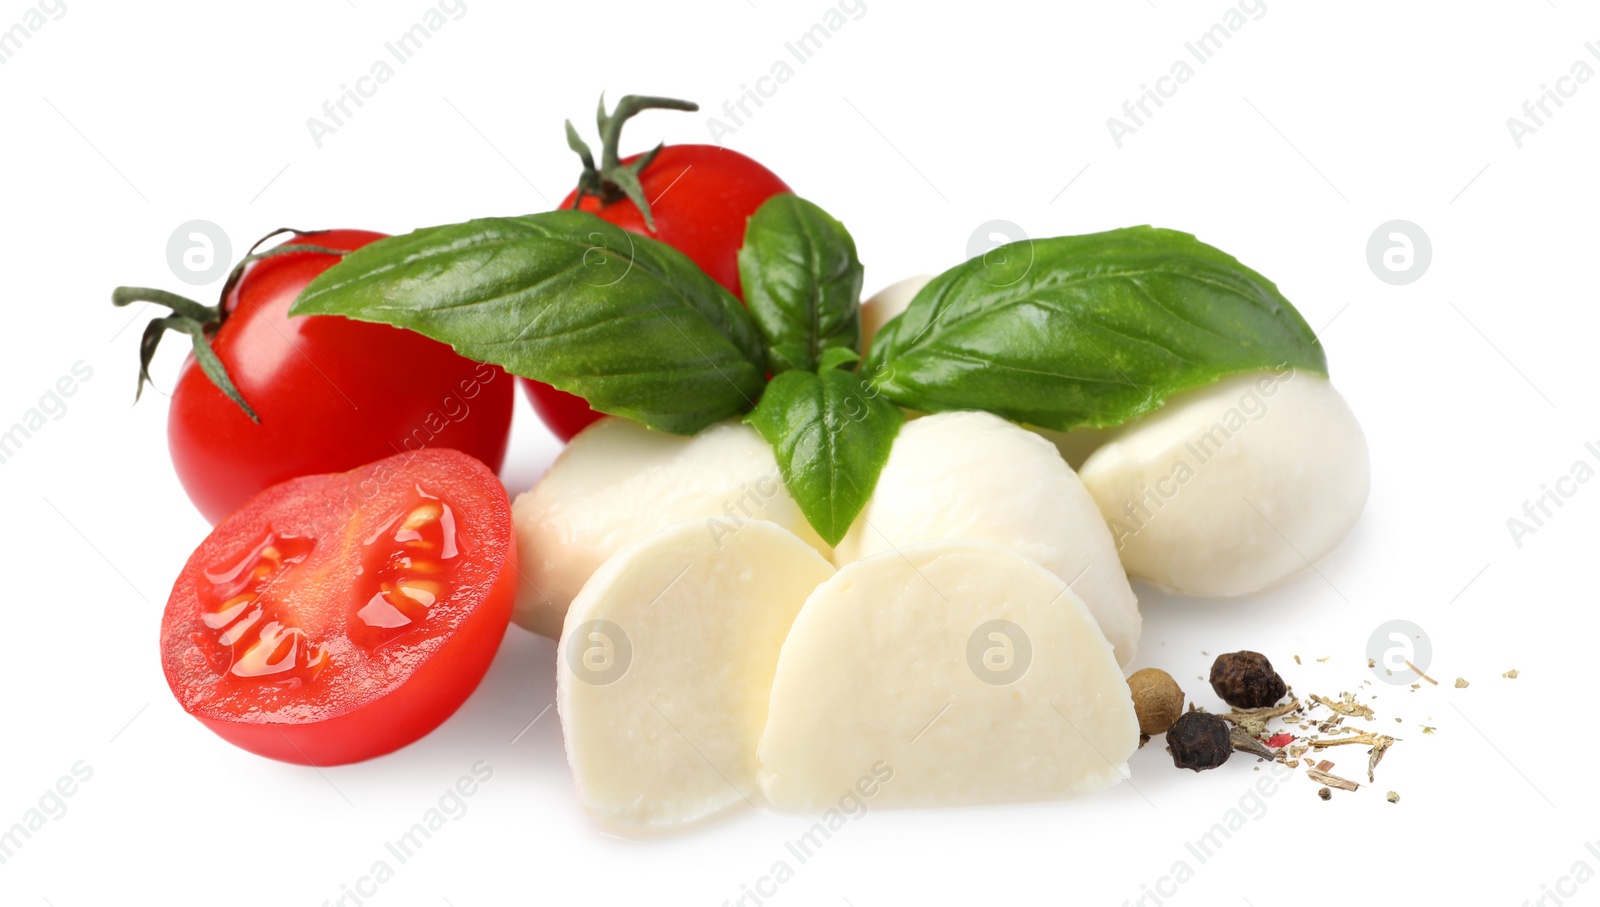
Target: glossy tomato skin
(700,196)
(367,697)
(332,393)
(563,413)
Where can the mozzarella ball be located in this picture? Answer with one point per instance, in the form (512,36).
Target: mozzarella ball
(973,476)
(1075,446)
(617,482)
(887,303)
(1232,487)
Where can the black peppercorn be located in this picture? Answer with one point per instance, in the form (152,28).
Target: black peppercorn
(1246,680)
(1198,741)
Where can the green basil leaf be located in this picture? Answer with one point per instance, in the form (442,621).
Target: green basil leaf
(782,357)
(802,282)
(622,320)
(1086,330)
(837,357)
(831,433)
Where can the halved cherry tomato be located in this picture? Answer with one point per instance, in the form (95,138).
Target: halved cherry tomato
(338,617)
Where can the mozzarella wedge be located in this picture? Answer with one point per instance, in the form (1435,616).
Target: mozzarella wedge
(971,672)
(665,664)
(617,482)
(977,477)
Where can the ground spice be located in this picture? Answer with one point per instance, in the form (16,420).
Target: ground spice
(1254,721)
(1375,755)
(1418,671)
(1348,707)
(1246,681)
(1245,743)
(1322,777)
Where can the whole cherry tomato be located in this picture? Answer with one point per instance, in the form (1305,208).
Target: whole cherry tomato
(697,199)
(310,395)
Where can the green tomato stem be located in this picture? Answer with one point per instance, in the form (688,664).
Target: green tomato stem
(613,181)
(201,322)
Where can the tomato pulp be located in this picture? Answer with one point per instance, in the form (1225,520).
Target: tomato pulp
(700,197)
(338,617)
(331,393)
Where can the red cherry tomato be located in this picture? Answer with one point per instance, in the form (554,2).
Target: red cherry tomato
(563,413)
(338,617)
(332,394)
(700,197)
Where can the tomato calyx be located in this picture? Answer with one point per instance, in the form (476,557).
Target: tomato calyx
(201,322)
(613,180)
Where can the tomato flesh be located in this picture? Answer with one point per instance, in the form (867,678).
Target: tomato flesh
(332,393)
(250,638)
(338,617)
(700,196)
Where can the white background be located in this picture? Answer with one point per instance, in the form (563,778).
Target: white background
(914,124)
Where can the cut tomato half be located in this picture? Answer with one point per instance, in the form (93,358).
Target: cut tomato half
(334,618)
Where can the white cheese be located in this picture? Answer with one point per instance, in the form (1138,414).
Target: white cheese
(617,482)
(1230,488)
(949,672)
(887,303)
(665,664)
(975,476)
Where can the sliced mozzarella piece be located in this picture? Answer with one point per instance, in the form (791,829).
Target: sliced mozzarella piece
(617,482)
(975,476)
(971,673)
(665,665)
